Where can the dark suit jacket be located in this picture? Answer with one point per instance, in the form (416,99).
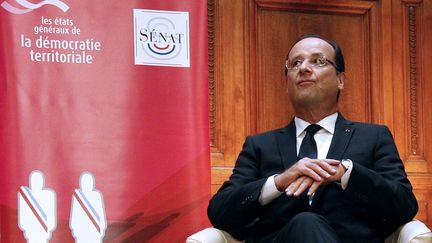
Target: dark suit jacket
(377,200)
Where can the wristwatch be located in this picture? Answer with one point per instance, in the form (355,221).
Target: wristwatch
(346,164)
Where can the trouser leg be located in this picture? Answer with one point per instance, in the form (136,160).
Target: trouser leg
(307,227)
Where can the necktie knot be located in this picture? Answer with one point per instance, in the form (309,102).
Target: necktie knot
(313,128)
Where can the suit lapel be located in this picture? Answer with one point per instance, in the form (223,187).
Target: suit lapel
(287,144)
(341,138)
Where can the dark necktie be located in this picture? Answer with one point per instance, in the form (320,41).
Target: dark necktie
(308,147)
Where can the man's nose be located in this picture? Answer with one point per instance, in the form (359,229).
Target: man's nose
(305,67)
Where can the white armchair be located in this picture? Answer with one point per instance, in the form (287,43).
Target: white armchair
(412,232)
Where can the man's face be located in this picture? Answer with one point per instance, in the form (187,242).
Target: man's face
(312,83)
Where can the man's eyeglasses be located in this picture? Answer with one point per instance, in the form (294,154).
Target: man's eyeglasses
(315,62)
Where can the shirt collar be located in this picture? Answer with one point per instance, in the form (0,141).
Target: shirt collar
(328,123)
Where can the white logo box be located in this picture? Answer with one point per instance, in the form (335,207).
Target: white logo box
(161,38)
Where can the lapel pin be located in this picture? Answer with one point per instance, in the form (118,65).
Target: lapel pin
(347,130)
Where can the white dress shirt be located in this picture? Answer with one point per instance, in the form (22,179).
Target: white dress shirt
(323,138)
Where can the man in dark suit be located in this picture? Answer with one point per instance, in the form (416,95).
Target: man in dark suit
(341,181)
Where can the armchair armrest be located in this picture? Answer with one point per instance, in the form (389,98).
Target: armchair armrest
(411,232)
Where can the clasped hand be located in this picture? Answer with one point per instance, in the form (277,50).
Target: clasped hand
(308,173)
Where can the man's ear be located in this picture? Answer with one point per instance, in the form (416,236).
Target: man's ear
(341,80)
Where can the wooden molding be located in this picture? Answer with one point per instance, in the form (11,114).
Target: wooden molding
(416,159)
(346,7)
(212,92)
(412,41)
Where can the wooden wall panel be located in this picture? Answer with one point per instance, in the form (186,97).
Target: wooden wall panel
(278,25)
(388,58)
(411,47)
(228,99)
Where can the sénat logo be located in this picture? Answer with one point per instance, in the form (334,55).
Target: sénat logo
(161,38)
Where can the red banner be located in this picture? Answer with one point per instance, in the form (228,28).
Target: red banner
(104,120)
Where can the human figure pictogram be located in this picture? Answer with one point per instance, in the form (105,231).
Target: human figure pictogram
(37,212)
(87,220)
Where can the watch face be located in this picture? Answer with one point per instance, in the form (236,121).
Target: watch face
(345,163)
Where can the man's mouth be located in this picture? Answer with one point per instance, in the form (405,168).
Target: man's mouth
(305,82)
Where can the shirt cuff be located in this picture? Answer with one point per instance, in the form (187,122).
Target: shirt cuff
(346,176)
(269,192)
